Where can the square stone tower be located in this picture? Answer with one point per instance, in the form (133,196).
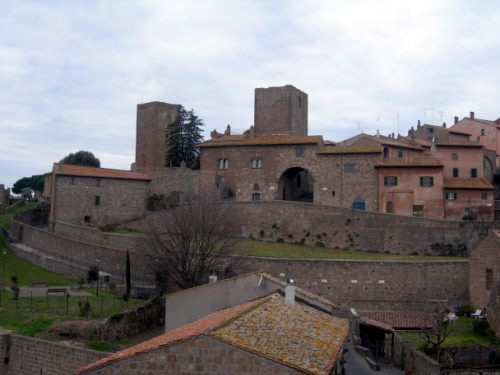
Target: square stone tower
(280,110)
(151,143)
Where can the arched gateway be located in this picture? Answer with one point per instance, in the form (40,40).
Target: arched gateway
(296,184)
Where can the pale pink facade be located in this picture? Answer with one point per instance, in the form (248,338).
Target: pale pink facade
(465,159)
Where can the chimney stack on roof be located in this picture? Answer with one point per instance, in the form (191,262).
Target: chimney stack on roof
(290,293)
(444,125)
(456,119)
(418,124)
(472,115)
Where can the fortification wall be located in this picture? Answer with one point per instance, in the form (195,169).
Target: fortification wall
(168,180)
(28,356)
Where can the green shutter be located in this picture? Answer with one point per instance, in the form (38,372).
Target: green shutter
(385,181)
(421,181)
(432,181)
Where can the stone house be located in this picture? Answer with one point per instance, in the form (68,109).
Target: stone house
(268,335)
(484,278)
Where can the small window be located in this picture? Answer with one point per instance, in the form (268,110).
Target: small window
(418,210)
(256,163)
(400,154)
(333,193)
(455,172)
(426,181)
(388,207)
(227,194)
(489,278)
(299,151)
(390,181)
(256,196)
(430,130)
(256,187)
(86,219)
(482,132)
(454,156)
(97,200)
(223,163)
(450,196)
(349,167)
(473,173)
(484,196)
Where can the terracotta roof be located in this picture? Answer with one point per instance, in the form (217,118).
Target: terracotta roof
(262,140)
(450,130)
(401,319)
(410,163)
(296,336)
(350,150)
(180,334)
(459,144)
(467,183)
(78,170)
(375,323)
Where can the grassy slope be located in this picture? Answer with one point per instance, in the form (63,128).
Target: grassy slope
(285,250)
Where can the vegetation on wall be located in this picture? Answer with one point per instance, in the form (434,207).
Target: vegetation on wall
(85,158)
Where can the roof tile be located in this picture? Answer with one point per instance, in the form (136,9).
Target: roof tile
(401,319)
(78,170)
(261,140)
(467,183)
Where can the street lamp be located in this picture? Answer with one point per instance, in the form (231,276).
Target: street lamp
(97,289)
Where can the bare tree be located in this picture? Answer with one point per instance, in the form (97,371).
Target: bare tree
(190,241)
(437,334)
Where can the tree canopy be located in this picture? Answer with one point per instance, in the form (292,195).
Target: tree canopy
(184,136)
(85,158)
(34,182)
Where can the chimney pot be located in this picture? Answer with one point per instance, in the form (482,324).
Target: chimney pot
(418,124)
(456,119)
(444,124)
(290,294)
(472,115)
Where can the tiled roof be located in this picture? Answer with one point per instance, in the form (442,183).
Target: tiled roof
(410,163)
(296,336)
(350,150)
(386,141)
(262,140)
(467,183)
(459,144)
(375,323)
(401,319)
(450,130)
(180,334)
(78,170)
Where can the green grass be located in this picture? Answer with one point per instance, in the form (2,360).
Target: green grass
(286,250)
(462,336)
(6,218)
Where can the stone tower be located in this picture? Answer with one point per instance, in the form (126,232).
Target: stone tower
(280,110)
(151,143)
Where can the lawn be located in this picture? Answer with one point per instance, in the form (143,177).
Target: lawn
(462,336)
(286,250)
(7,217)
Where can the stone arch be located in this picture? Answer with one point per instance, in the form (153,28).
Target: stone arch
(296,184)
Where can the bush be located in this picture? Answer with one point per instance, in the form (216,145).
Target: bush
(320,244)
(280,240)
(85,309)
(480,326)
(428,349)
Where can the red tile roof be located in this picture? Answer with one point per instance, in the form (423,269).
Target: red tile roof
(459,144)
(467,183)
(350,150)
(262,140)
(78,170)
(401,319)
(410,163)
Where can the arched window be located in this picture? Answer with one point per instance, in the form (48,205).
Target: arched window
(386,152)
(359,204)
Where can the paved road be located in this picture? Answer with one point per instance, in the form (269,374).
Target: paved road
(356,365)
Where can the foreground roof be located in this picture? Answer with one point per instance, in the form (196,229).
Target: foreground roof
(467,183)
(262,140)
(78,170)
(296,336)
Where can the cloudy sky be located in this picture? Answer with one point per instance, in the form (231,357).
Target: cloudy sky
(72,72)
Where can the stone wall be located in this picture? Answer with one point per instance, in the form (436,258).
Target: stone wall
(4,198)
(28,356)
(200,355)
(371,285)
(413,362)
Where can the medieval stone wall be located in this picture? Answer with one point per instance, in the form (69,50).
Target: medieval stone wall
(4,198)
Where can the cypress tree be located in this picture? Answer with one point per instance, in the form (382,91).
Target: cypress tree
(183,138)
(127,278)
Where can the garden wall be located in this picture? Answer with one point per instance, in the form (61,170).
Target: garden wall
(408,358)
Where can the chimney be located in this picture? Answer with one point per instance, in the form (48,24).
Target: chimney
(418,124)
(212,279)
(378,133)
(472,115)
(228,130)
(290,293)
(456,119)
(444,125)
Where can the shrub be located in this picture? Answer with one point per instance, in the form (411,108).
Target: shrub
(480,326)
(280,240)
(320,244)
(85,309)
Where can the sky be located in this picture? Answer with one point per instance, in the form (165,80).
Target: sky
(72,72)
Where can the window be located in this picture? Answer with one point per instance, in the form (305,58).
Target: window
(400,154)
(454,156)
(333,193)
(489,278)
(349,167)
(388,207)
(227,194)
(418,210)
(86,219)
(473,173)
(256,163)
(256,187)
(390,181)
(430,130)
(450,196)
(299,151)
(97,200)
(426,181)
(300,101)
(223,163)
(484,196)
(359,204)
(455,172)
(482,132)
(256,196)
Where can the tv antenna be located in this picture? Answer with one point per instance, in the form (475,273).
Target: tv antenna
(425,112)
(441,113)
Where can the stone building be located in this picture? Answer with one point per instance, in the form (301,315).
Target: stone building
(484,278)
(89,196)
(268,335)
(4,198)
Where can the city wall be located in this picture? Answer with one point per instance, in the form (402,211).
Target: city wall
(27,356)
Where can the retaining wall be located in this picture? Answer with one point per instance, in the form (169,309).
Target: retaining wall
(408,358)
